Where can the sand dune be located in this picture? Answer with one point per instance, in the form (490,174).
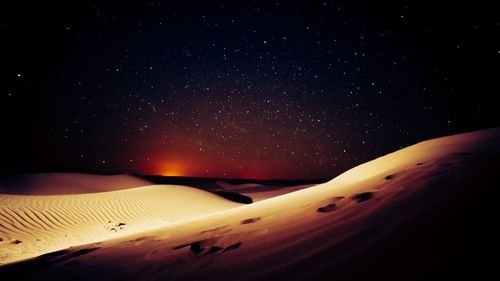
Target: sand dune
(66,183)
(33,225)
(424,212)
(259,192)
(256,189)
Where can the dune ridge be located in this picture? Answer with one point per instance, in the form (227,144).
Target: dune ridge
(66,183)
(391,218)
(40,224)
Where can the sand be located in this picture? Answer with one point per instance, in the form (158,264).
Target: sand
(259,192)
(34,225)
(66,183)
(423,212)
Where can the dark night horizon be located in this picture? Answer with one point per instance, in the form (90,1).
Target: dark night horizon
(261,89)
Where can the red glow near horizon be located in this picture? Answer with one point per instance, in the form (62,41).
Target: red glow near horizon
(183,168)
(187,160)
(172,169)
(198,167)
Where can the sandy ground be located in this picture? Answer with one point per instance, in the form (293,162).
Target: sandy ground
(66,183)
(259,192)
(424,212)
(33,225)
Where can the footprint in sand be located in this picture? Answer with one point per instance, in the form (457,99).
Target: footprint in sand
(332,206)
(195,247)
(328,208)
(214,249)
(116,226)
(362,197)
(250,220)
(199,246)
(233,247)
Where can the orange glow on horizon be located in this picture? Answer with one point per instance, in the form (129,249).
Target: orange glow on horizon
(172,169)
(186,165)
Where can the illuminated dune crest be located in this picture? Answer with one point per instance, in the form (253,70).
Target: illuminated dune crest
(32,225)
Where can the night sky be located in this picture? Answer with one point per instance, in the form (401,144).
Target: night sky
(262,89)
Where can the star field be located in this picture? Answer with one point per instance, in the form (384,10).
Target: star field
(262,89)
